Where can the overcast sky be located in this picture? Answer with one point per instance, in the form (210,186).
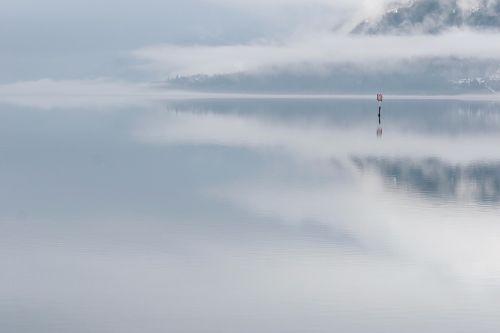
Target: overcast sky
(86,39)
(152,40)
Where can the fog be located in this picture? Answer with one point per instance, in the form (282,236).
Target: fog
(224,215)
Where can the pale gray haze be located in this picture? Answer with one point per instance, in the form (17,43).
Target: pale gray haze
(223,166)
(321,46)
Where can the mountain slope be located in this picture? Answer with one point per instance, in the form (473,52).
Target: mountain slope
(433,16)
(449,74)
(417,76)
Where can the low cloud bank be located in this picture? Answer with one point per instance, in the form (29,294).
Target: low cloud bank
(97,94)
(315,51)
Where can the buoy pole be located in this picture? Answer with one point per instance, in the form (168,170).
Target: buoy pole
(380,98)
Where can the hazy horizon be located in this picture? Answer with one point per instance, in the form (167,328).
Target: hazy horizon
(227,166)
(246,46)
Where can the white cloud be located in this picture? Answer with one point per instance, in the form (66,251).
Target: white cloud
(307,142)
(366,7)
(314,49)
(49,87)
(98,93)
(440,239)
(447,239)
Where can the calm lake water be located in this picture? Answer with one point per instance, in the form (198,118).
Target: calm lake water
(249,216)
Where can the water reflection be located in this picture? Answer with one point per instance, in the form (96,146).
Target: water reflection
(379,128)
(436,179)
(244,215)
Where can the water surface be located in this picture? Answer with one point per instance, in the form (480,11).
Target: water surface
(243,215)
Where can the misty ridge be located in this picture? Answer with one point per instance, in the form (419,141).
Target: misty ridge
(433,16)
(419,74)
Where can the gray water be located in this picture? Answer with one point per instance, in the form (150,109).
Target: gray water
(249,216)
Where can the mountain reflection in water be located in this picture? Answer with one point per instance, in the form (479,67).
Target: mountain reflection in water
(249,216)
(431,177)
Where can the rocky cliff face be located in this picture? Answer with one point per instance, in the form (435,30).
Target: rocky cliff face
(433,16)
